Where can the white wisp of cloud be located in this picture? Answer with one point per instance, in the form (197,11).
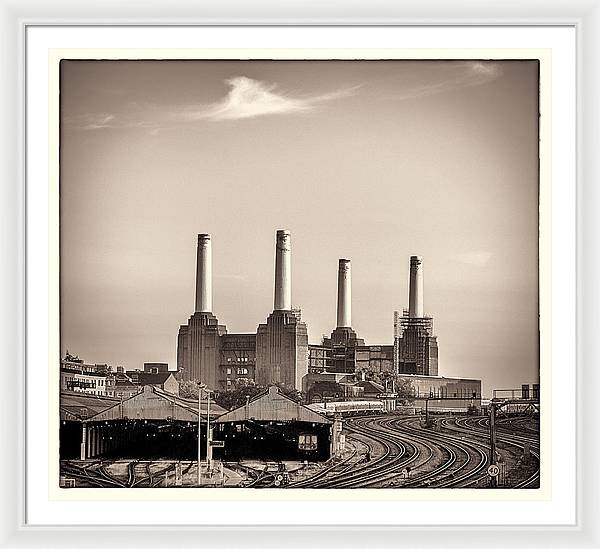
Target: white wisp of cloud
(458,75)
(248,98)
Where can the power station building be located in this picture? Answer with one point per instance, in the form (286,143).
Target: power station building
(415,347)
(279,352)
(276,354)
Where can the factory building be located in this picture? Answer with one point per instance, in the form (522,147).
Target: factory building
(344,352)
(338,365)
(415,345)
(444,393)
(238,360)
(272,426)
(337,353)
(322,386)
(198,342)
(282,343)
(276,354)
(279,352)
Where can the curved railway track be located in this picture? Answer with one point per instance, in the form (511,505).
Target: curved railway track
(397,452)
(97,474)
(506,435)
(455,457)
(464,468)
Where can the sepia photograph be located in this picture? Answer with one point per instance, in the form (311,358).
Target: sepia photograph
(300,274)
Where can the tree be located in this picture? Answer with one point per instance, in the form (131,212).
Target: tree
(71,358)
(237,396)
(404,389)
(245,390)
(188,389)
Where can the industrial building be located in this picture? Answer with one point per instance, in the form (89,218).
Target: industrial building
(338,365)
(415,346)
(276,354)
(274,427)
(344,352)
(444,393)
(279,352)
(154,424)
(322,386)
(150,424)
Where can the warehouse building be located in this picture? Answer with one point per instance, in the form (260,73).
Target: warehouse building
(447,393)
(274,427)
(151,424)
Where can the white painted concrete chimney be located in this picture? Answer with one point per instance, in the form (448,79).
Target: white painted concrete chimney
(204,275)
(415,293)
(283,272)
(344,298)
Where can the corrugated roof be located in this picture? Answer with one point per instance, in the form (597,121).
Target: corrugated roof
(273,406)
(371,387)
(77,406)
(154,403)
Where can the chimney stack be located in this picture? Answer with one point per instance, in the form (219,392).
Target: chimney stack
(283,272)
(415,293)
(204,275)
(344,299)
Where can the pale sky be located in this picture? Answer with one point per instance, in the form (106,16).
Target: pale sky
(370,161)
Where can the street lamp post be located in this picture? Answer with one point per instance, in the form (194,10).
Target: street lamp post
(201,387)
(208,437)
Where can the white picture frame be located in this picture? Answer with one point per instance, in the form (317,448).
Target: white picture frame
(18,277)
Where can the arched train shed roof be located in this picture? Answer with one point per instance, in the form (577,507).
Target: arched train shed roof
(153,404)
(273,406)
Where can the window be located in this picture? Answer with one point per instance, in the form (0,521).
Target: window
(307,442)
(228,371)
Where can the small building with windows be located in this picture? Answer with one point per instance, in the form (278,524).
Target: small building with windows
(83,378)
(274,427)
(156,367)
(444,393)
(237,360)
(164,380)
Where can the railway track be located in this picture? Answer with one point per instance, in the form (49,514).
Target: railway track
(93,473)
(464,468)
(397,452)
(505,435)
(334,468)
(455,458)
(97,474)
